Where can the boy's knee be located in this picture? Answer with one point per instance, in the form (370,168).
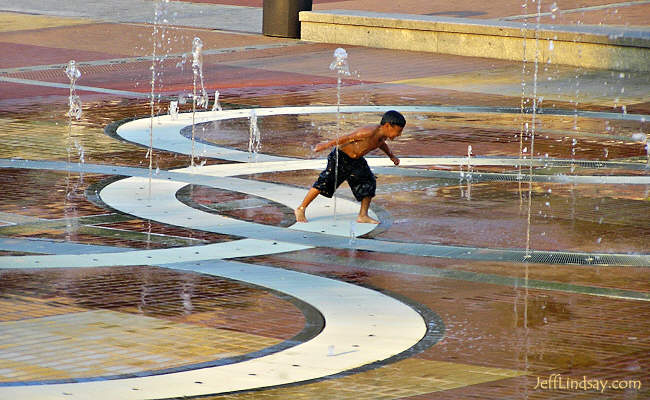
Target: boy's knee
(363,190)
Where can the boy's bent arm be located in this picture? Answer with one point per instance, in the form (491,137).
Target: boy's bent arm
(384,147)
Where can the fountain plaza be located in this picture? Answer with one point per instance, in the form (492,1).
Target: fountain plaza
(156,257)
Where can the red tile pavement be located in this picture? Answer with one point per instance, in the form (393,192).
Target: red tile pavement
(370,64)
(23,55)
(134,40)
(156,292)
(136,77)
(14,91)
(495,218)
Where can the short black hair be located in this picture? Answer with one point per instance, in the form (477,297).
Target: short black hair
(394,118)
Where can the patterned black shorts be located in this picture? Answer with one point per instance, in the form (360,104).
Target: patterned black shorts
(354,170)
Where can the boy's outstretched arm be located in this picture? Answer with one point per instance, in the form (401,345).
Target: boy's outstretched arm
(357,135)
(385,149)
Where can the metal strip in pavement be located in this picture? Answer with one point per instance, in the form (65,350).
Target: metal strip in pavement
(47,246)
(17,218)
(78,87)
(126,60)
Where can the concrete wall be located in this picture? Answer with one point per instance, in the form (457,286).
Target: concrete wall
(585,46)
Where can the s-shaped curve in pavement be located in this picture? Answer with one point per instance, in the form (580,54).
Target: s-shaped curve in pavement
(363,325)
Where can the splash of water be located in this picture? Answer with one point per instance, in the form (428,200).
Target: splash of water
(522,111)
(74,109)
(533,127)
(74,112)
(182,62)
(74,102)
(342,68)
(173,109)
(353,234)
(643,139)
(469,163)
(81,151)
(254,138)
(197,100)
(197,70)
(152,98)
(216,106)
(340,63)
(466,175)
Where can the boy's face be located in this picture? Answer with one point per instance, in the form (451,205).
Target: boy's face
(392,131)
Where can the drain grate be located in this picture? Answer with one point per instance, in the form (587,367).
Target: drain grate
(514,177)
(542,257)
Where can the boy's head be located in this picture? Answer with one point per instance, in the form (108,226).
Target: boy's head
(396,123)
(394,118)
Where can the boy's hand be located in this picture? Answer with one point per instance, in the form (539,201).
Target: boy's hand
(320,147)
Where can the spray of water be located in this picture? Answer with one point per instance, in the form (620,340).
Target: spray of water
(468,175)
(74,112)
(340,65)
(197,70)
(200,100)
(469,163)
(216,106)
(643,139)
(74,109)
(173,109)
(254,138)
(74,103)
(533,127)
(524,126)
(158,6)
(353,235)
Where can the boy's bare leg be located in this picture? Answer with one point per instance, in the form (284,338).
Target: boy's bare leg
(363,212)
(309,197)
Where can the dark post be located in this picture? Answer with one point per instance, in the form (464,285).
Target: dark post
(281,17)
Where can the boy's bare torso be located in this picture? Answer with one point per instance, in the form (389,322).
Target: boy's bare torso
(369,139)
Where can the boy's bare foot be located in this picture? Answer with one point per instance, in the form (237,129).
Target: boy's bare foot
(364,219)
(300,214)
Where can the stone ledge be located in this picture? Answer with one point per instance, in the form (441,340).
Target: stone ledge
(586,46)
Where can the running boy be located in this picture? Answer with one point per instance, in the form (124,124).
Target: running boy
(352,166)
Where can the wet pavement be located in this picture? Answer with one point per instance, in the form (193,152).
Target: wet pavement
(455,234)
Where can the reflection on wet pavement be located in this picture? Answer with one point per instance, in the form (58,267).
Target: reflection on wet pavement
(132,319)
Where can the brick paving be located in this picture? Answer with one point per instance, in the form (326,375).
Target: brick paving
(491,329)
(131,319)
